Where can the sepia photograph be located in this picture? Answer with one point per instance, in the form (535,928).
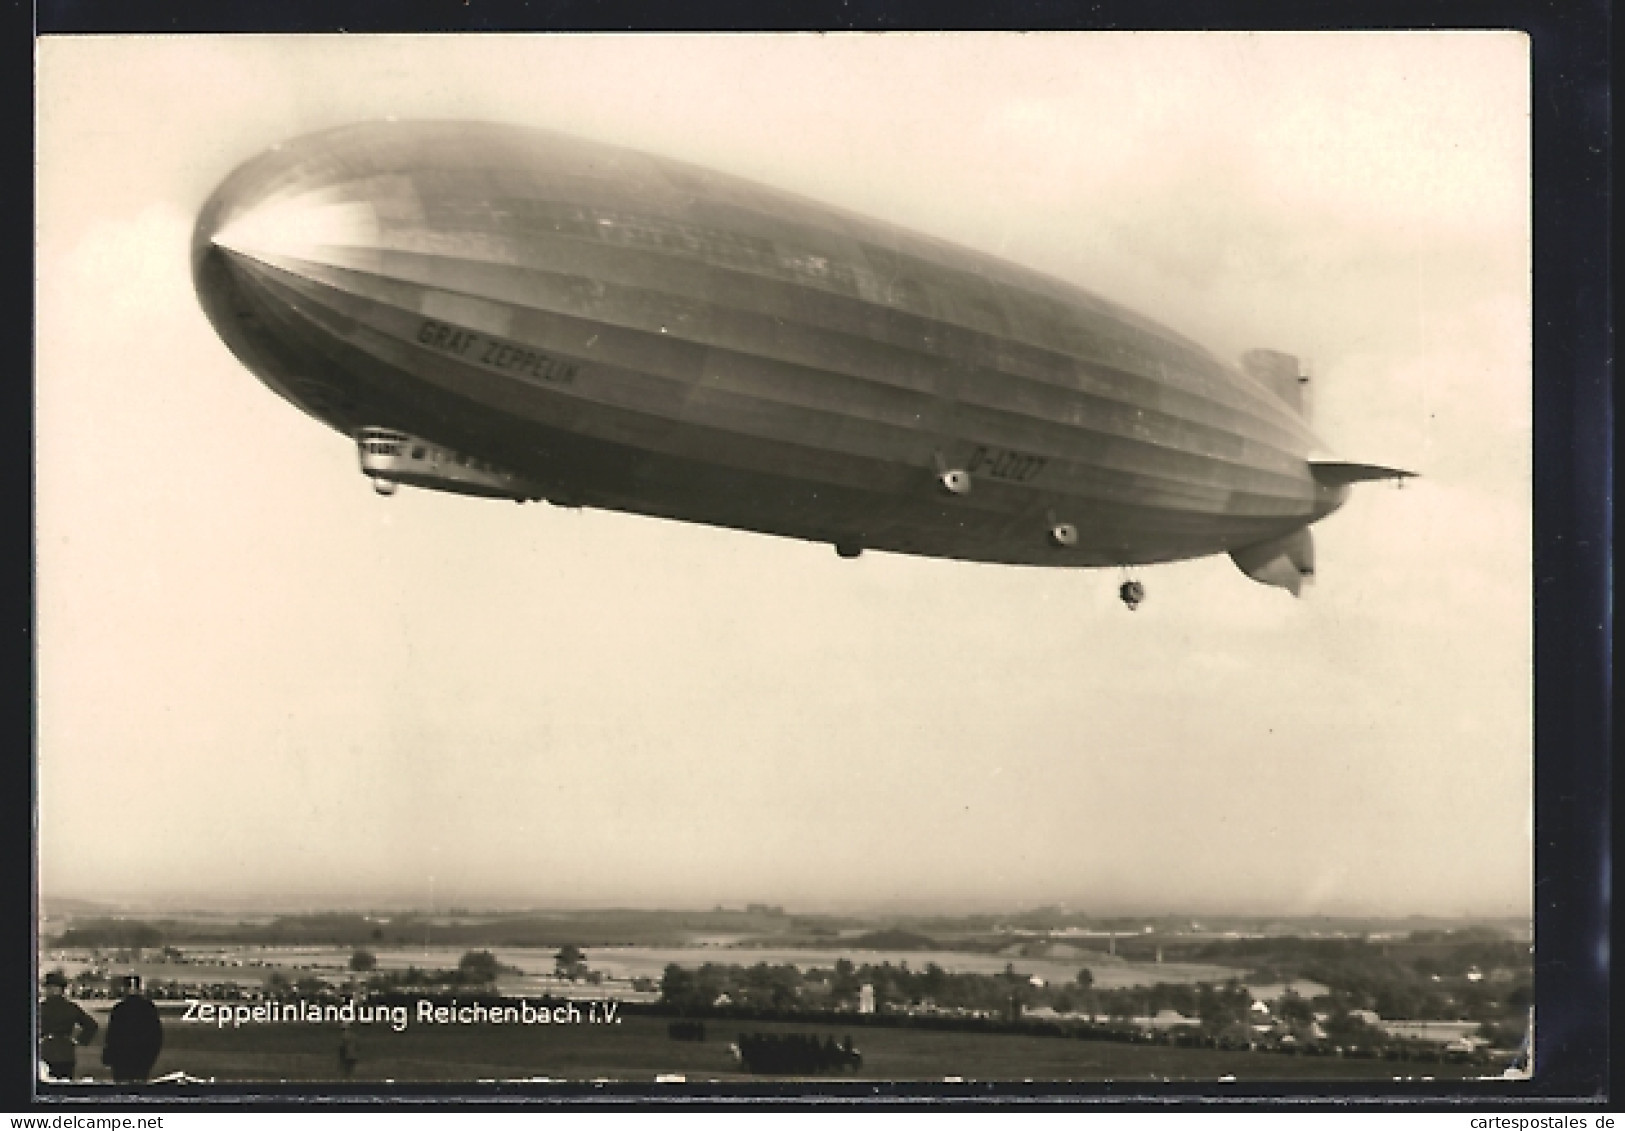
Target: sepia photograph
(718,560)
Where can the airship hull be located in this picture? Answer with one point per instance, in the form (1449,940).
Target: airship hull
(617,330)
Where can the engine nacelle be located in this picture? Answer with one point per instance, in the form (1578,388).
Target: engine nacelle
(955,481)
(390,457)
(1063,534)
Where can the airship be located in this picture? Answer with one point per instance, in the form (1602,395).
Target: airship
(509,313)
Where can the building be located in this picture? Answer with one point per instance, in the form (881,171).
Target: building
(1275,991)
(1436,1032)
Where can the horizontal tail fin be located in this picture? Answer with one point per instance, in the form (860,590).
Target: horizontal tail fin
(1340,473)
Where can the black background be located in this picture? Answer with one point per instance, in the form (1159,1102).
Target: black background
(1573,476)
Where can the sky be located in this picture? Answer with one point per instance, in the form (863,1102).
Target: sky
(258,680)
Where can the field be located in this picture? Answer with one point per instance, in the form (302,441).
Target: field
(246,964)
(1110,972)
(638,1049)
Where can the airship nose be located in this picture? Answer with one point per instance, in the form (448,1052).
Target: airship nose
(207,226)
(283,230)
(267,243)
(271,214)
(215,278)
(211,274)
(242,239)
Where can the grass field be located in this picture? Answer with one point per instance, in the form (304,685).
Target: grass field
(638,1049)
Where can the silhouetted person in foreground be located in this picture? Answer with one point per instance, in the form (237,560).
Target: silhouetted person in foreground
(134,1035)
(349,1051)
(62,1027)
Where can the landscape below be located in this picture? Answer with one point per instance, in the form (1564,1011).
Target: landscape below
(742,994)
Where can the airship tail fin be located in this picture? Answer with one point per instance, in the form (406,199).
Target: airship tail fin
(1281,374)
(1289,561)
(1286,562)
(1340,473)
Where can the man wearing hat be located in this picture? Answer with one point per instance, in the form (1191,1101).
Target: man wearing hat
(62,1025)
(134,1035)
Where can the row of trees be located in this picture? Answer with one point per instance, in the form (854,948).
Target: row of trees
(477,967)
(1484,1002)
(1219,1007)
(1353,963)
(786,987)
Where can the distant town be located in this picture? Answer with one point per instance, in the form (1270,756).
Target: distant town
(1314,990)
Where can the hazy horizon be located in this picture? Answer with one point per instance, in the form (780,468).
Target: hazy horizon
(336,904)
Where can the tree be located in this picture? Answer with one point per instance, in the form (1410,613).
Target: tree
(677,987)
(1086,978)
(934,981)
(478,967)
(362,961)
(1220,1007)
(110,934)
(570,962)
(845,983)
(1120,1005)
(1291,1006)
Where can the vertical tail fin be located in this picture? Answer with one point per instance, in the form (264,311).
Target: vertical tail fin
(1281,374)
(1286,562)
